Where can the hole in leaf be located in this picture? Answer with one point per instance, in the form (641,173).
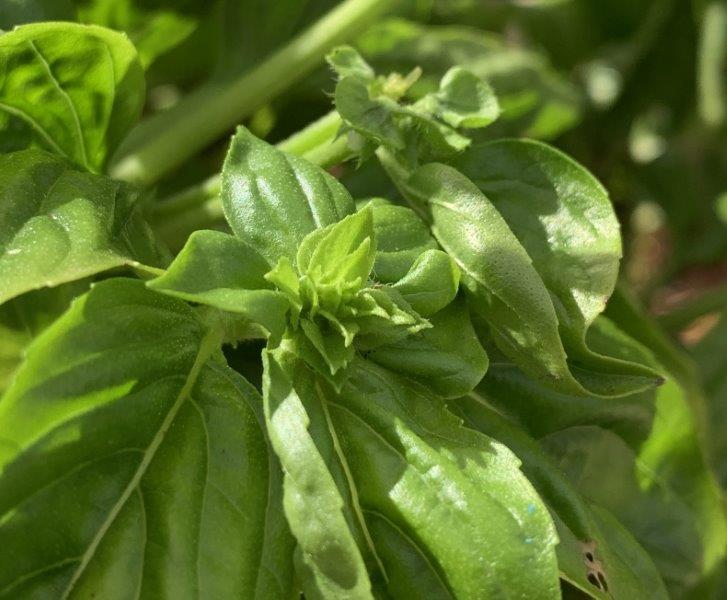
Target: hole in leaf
(602,580)
(593,578)
(589,557)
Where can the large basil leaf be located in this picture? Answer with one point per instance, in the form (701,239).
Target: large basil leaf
(131,462)
(476,529)
(564,219)
(272,200)
(79,113)
(595,552)
(58,224)
(219,270)
(528,320)
(496,270)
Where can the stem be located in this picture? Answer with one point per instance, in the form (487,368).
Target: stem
(166,140)
(199,206)
(712,63)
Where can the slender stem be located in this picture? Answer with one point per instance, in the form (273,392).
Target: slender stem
(168,139)
(712,63)
(199,206)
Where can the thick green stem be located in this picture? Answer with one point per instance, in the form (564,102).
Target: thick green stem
(166,140)
(199,206)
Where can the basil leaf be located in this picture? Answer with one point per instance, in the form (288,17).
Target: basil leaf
(401,237)
(340,256)
(496,270)
(81,114)
(368,451)
(221,271)
(329,562)
(400,442)
(272,200)
(58,224)
(431,283)
(563,218)
(507,289)
(595,553)
(148,460)
(463,100)
(23,318)
(447,358)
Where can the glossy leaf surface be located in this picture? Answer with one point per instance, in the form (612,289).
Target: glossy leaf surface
(58,224)
(81,114)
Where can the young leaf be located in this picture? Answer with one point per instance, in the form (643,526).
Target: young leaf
(58,224)
(463,100)
(342,255)
(272,200)
(595,552)
(80,113)
(447,358)
(431,283)
(121,439)
(219,270)
(401,237)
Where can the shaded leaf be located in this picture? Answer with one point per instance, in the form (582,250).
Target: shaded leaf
(58,224)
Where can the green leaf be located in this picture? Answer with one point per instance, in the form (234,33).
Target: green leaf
(58,224)
(329,563)
(23,318)
(81,114)
(595,553)
(535,100)
(463,100)
(565,221)
(355,460)
(130,461)
(221,271)
(447,358)
(476,516)
(541,327)
(496,270)
(431,283)
(272,200)
(342,255)
(401,237)
(347,62)
(154,27)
